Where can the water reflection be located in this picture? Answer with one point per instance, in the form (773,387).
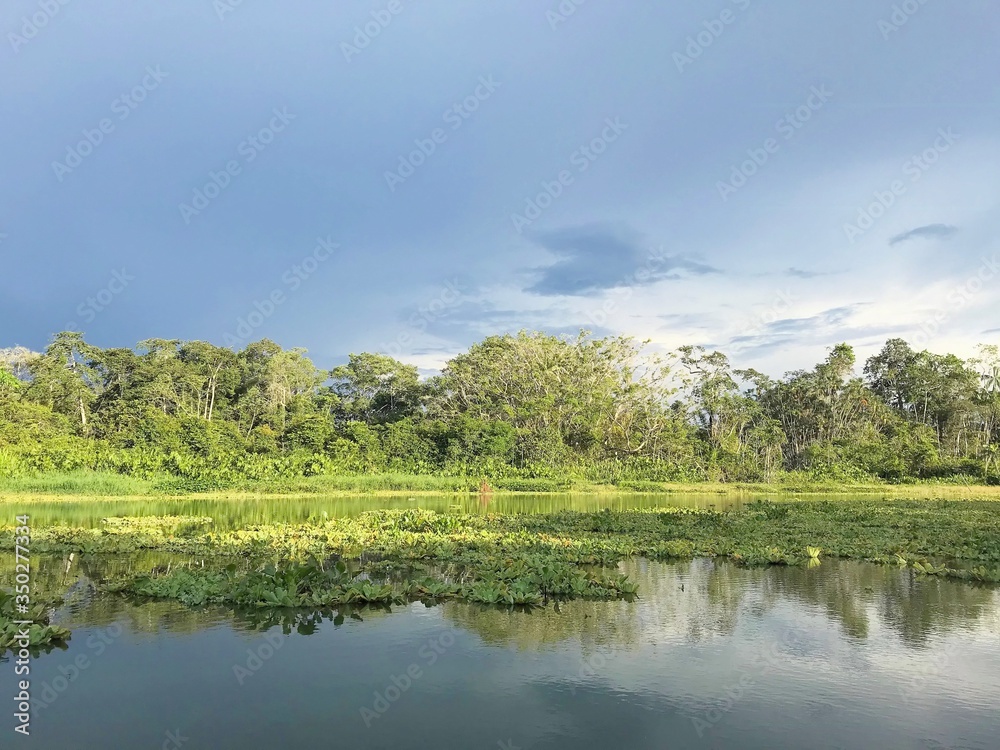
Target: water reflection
(690,601)
(706,599)
(239,513)
(711,655)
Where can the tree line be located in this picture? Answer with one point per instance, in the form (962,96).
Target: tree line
(529,405)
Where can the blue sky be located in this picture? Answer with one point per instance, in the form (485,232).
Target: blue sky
(768,178)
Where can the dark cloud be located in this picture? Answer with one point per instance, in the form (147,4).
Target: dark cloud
(594,258)
(933,231)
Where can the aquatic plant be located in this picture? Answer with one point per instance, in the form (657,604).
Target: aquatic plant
(529,558)
(41,635)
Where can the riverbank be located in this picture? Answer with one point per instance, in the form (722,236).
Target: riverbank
(91,485)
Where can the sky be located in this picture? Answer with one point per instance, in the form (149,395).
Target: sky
(765,178)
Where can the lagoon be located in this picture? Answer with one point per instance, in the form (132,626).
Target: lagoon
(840,655)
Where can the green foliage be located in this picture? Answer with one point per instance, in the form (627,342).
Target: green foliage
(524,412)
(42,637)
(392,557)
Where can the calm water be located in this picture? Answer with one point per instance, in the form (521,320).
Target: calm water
(845,655)
(238,513)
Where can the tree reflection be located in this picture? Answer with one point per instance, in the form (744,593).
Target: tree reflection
(686,602)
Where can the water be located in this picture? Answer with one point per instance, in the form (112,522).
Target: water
(241,512)
(844,655)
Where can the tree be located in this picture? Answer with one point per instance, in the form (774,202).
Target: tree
(375,389)
(17,360)
(888,373)
(64,377)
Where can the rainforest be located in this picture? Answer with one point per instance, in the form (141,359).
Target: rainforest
(539,492)
(529,411)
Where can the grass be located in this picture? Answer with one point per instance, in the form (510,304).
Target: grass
(77,483)
(86,484)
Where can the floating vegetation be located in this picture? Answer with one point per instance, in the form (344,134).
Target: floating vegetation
(38,637)
(311,584)
(397,555)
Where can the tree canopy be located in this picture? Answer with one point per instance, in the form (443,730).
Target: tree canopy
(527,404)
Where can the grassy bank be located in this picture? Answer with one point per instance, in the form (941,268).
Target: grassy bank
(103,485)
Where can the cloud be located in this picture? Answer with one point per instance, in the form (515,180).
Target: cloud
(594,258)
(833,324)
(801,274)
(936,231)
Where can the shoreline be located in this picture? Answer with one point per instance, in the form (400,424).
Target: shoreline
(101,487)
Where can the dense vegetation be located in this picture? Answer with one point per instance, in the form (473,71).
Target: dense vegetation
(278,571)
(513,409)
(525,559)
